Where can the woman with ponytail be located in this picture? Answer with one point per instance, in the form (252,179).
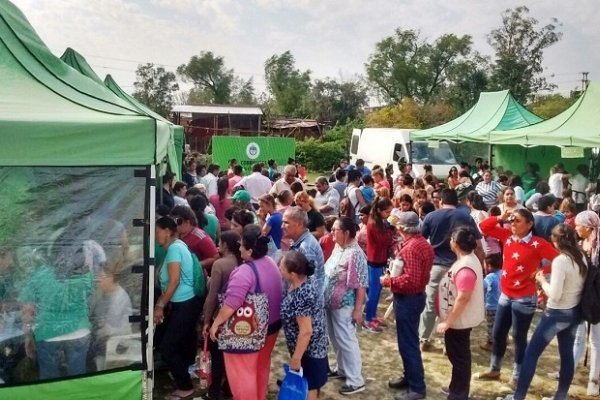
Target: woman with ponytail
(562,314)
(251,370)
(380,238)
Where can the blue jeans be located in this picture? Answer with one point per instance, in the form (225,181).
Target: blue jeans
(515,313)
(408,309)
(374,292)
(562,324)
(75,351)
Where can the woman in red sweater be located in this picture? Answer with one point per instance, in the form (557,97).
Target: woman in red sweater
(523,256)
(379,240)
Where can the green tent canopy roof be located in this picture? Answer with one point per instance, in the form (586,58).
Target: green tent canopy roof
(579,125)
(166,130)
(494,111)
(51,115)
(77,61)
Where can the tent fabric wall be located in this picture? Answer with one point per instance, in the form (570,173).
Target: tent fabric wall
(515,157)
(115,385)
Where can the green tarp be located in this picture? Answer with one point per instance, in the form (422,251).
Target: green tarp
(52,115)
(497,111)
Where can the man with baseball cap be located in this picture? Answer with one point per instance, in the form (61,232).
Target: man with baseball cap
(416,255)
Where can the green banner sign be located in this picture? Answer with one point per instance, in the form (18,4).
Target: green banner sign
(248,150)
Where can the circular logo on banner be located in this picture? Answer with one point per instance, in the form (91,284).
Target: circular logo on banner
(252,150)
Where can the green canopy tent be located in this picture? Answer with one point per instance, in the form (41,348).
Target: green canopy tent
(578,126)
(77,169)
(174,149)
(494,111)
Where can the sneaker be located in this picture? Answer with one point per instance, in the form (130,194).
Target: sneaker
(593,389)
(349,389)
(372,327)
(381,322)
(487,346)
(548,398)
(410,396)
(426,346)
(335,375)
(487,376)
(400,383)
(509,397)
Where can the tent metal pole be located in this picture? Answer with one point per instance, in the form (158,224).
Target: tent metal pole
(150,320)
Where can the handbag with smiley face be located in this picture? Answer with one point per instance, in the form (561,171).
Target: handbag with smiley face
(246,330)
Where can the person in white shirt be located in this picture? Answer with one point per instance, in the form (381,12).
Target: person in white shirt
(289,177)
(210,180)
(256,184)
(555,181)
(327,199)
(580,186)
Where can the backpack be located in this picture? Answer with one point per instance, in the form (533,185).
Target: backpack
(198,276)
(347,209)
(590,296)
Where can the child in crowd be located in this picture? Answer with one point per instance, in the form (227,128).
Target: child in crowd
(367,189)
(110,315)
(569,209)
(491,285)
(361,235)
(327,241)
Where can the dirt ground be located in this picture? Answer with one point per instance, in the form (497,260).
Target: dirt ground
(381,362)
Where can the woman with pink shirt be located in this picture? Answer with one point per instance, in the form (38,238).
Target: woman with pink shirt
(221,202)
(249,372)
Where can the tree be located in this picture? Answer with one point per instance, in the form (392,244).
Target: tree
(519,45)
(155,88)
(212,81)
(289,86)
(403,115)
(404,65)
(335,102)
(551,105)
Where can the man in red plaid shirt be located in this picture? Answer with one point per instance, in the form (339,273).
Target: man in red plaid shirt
(409,301)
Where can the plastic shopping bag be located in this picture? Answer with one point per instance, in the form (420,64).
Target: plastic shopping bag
(294,385)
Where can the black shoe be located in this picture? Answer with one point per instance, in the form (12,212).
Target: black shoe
(335,375)
(279,382)
(400,383)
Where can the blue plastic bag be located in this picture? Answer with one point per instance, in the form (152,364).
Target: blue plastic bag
(294,385)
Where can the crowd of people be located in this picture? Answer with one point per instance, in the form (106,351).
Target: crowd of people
(479,246)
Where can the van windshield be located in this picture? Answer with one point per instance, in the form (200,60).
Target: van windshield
(423,154)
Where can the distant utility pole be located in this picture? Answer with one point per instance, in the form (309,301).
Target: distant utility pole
(584,80)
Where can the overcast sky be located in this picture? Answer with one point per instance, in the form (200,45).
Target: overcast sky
(332,38)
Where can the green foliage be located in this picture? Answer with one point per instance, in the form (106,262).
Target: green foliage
(409,114)
(214,83)
(333,102)
(318,155)
(519,46)
(155,87)
(289,86)
(321,154)
(551,105)
(404,65)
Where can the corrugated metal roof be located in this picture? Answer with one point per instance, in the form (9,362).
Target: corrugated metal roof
(218,109)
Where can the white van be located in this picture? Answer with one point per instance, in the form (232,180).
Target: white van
(389,145)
